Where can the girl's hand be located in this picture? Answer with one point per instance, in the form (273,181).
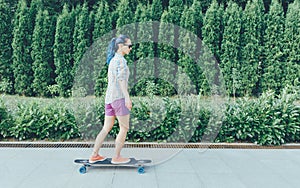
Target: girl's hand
(128,103)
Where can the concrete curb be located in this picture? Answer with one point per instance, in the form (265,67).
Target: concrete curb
(39,144)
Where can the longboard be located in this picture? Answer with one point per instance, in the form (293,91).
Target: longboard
(139,164)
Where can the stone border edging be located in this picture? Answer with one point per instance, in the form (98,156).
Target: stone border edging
(145,145)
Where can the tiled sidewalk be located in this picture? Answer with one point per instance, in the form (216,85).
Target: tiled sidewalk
(190,168)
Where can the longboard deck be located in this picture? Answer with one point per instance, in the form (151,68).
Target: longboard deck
(107,162)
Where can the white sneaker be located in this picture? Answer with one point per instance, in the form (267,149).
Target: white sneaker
(120,160)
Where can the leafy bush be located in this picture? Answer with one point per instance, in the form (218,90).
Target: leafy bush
(269,120)
(6,121)
(167,120)
(202,122)
(58,123)
(151,86)
(27,122)
(89,115)
(34,121)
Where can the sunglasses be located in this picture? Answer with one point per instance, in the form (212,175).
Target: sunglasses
(129,45)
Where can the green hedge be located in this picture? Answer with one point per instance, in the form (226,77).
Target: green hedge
(6,121)
(45,45)
(37,121)
(268,120)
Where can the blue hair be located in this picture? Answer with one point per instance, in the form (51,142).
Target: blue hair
(111,50)
(113,47)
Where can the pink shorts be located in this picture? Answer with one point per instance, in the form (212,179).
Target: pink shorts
(116,108)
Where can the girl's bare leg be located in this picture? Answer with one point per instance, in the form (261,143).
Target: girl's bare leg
(108,124)
(121,137)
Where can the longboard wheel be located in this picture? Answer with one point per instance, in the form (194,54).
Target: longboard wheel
(82,170)
(141,170)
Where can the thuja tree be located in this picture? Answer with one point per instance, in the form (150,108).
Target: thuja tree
(231,49)
(22,61)
(102,23)
(144,54)
(102,26)
(156,12)
(81,36)
(144,32)
(190,43)
(274,64)
(212,32)
(197,17)
(172,16)
(168,39)
(6,71)
(125,14)
(63,51)
(292,42)
(212,29)
(252,47)
(42,53)
(125,21)
(35,6)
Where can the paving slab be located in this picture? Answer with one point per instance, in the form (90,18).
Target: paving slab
(199,168)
